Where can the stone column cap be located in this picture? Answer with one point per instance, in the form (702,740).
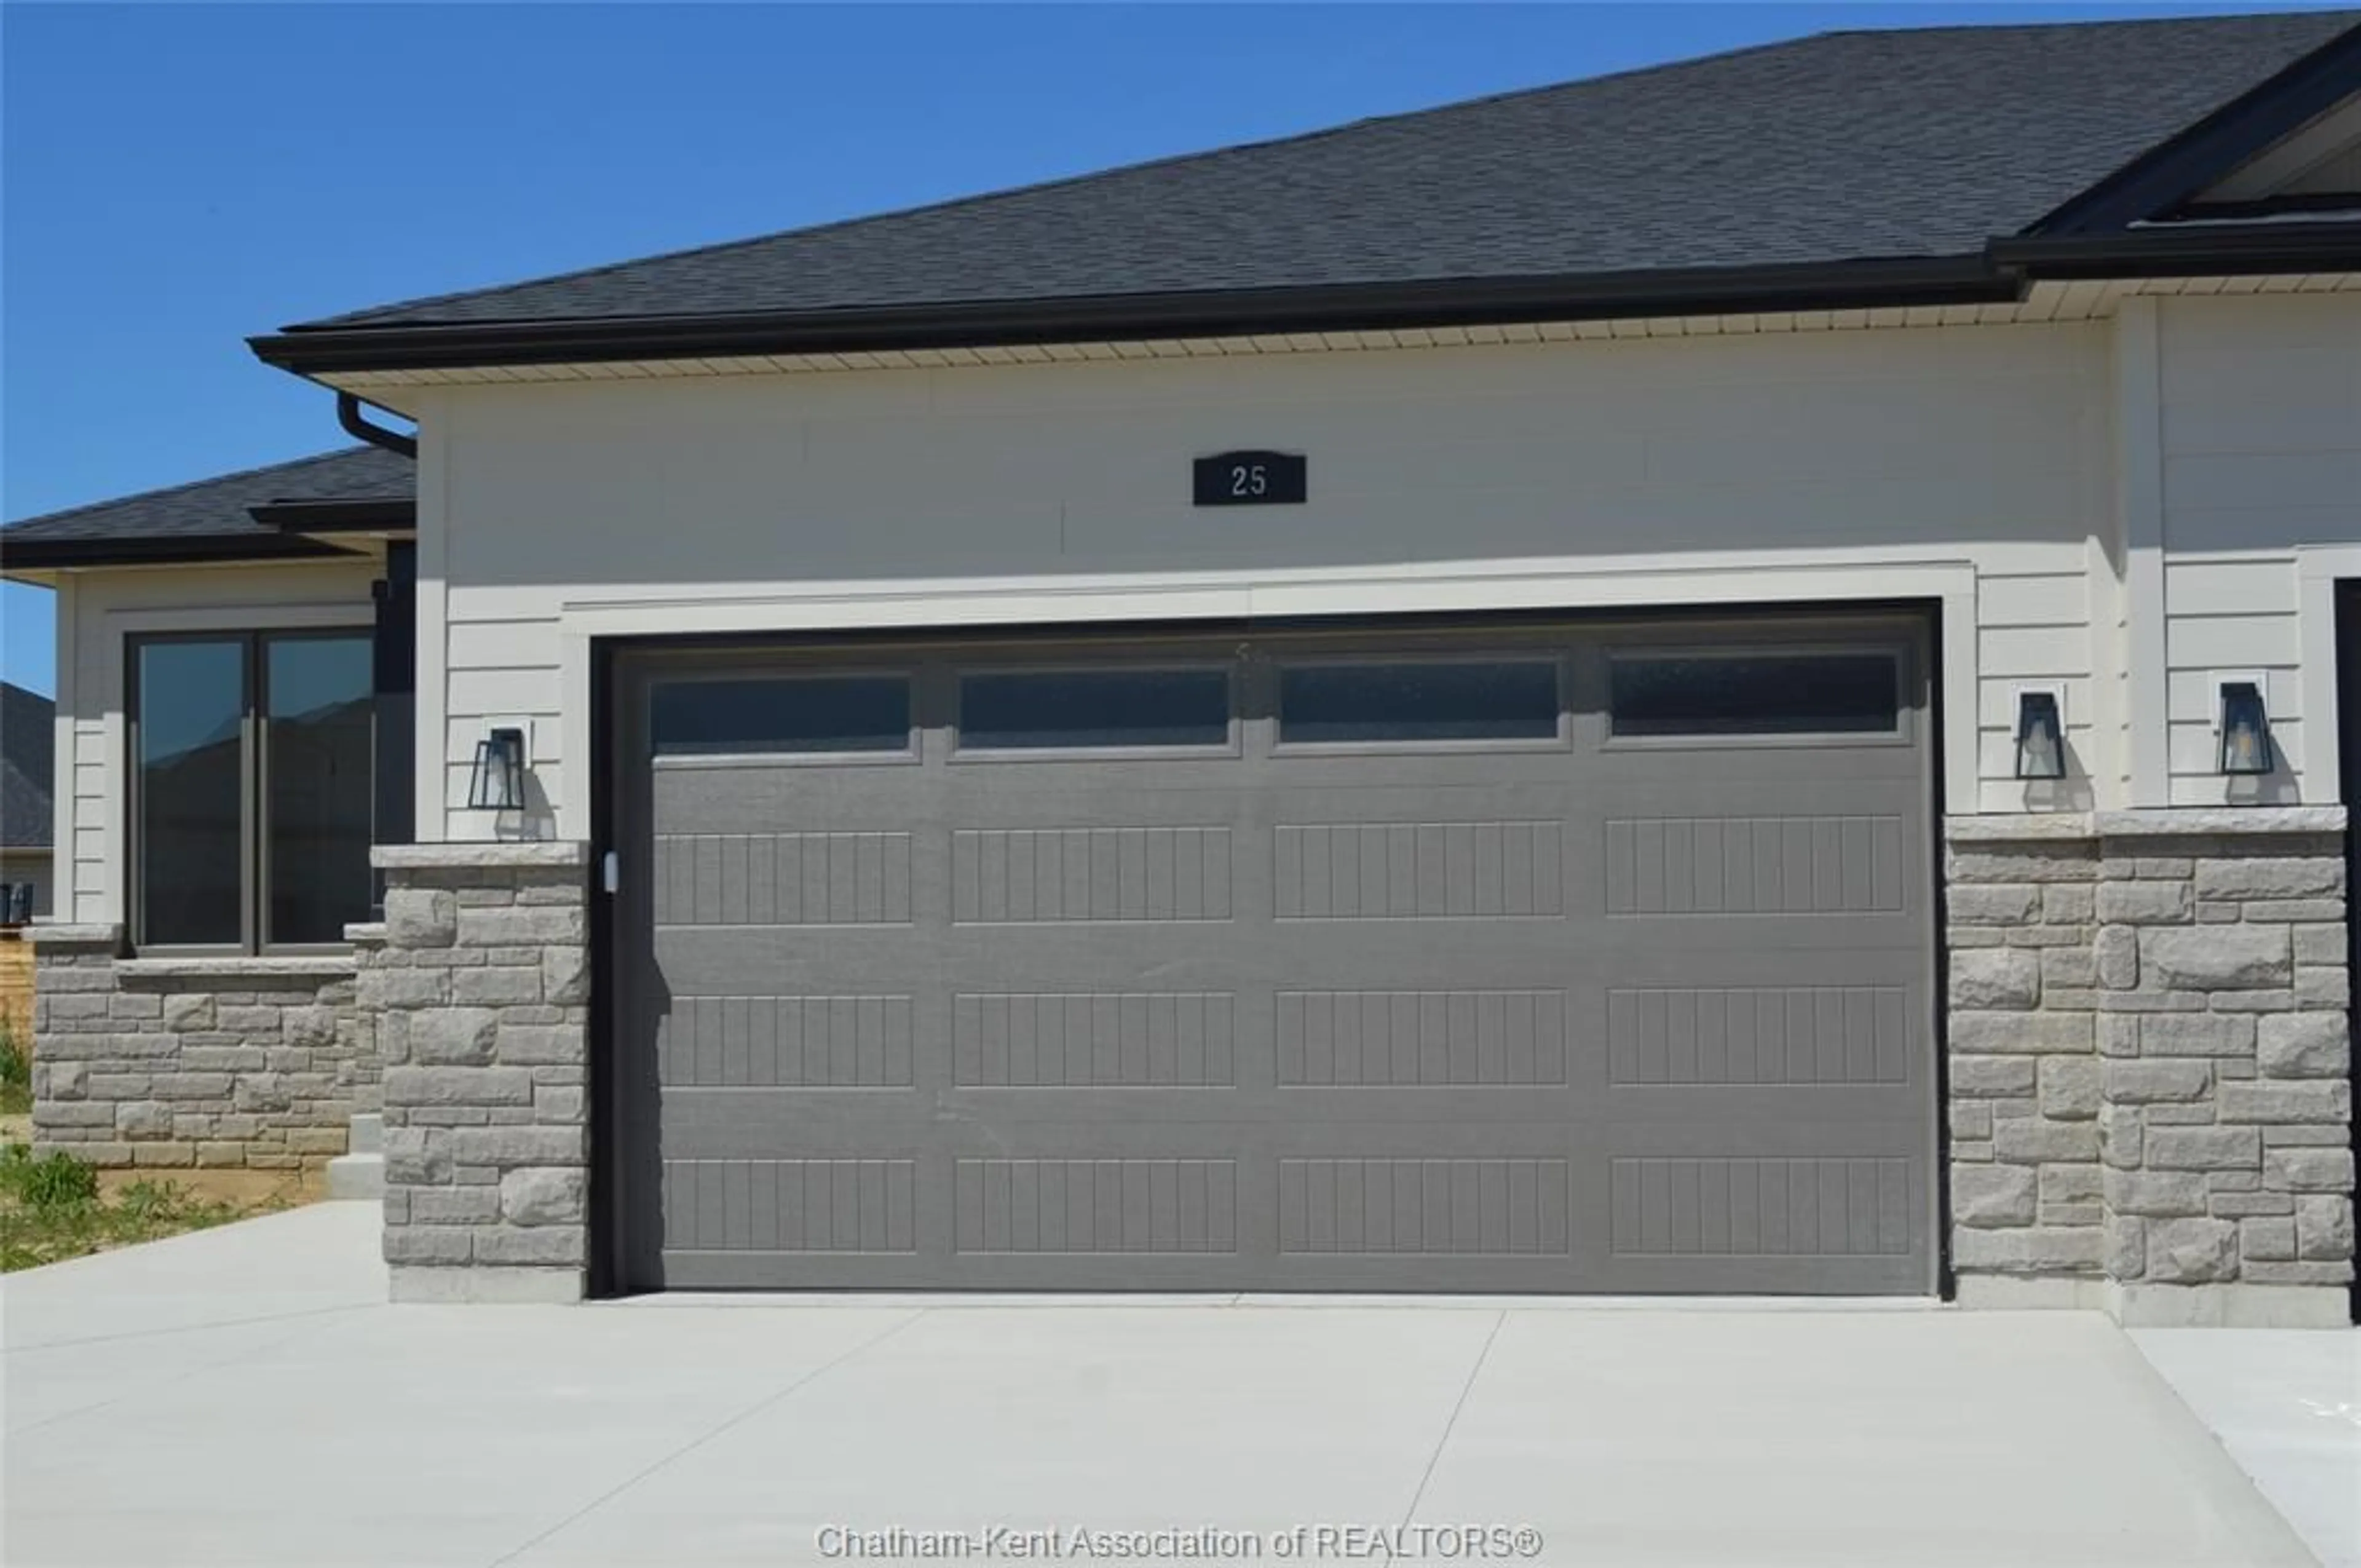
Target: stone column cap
(2147,822)
(230,966)
(94,934)
(2017,828)
(520,854)
(2184,821)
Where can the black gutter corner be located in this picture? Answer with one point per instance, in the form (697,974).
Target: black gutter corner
(348,414)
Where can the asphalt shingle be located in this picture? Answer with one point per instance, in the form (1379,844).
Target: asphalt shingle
(1919,143)
(219,508)
(27,748)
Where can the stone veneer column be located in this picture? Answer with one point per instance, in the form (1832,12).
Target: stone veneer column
(481,996)
(2223,1024)
(2022,1068)
(225,1062)
(2148,1057)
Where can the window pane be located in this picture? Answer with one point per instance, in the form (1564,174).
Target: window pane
(1095,708)
(191,697)
(317,785)
(1455,701)
(824,713)
(1756,693)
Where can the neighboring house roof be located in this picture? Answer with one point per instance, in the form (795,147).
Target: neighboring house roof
(27,749)
(228,518)
(1893,149)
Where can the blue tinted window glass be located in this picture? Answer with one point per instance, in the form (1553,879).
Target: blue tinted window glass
(1460,700)
(1093,707)
(807,713)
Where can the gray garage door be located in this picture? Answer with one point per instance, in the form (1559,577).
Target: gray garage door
(1566,959)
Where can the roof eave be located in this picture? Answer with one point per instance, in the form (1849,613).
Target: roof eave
(337,517)
(1362,307)
(74,555)
(2188,250)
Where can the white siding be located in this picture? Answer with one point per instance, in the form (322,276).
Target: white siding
(102,609)
(1799,467)
(2261,402)
(2034,630)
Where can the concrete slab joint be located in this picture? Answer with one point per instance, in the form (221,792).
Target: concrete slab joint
(480,991)
(2175,982)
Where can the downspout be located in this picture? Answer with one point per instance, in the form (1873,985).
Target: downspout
(348,414)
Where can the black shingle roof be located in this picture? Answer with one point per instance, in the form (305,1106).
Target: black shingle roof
(27,748)
(1922,143)
(210,516)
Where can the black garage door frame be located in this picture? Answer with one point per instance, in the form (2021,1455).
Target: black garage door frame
(620,1121)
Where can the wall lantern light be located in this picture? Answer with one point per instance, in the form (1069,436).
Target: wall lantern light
(2246,728)
(497,782)
(2040,736)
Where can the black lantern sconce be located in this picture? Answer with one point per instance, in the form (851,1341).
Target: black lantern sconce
(2040,736)
(497,782)
(2246,728)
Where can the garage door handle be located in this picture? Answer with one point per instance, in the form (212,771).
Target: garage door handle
(610,871)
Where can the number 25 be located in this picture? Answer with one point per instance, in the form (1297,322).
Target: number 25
(1249,479)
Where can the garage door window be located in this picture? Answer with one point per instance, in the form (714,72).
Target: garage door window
(824,714)
(1458,700)
(1754,694)
(1032,710)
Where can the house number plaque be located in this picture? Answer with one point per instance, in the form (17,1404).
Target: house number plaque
(1251,479)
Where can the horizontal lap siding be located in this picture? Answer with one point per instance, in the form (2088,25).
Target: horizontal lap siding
(502,668)
(1904,446)
(2034,630)
(2261,402)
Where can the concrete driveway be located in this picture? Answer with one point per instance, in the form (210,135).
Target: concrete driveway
(246,1398)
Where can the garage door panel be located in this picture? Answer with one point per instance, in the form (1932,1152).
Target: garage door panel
(1758,1035)
(1546,1015)
(790,793)
(830,877)
(800,1041)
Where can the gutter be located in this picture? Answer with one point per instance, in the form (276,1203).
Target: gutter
(60,554)
(2171,250)
(1447,301)
(1998,274)
(337,516)
(348,414)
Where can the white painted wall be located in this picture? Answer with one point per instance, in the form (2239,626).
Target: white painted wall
(96,611)
(1968,462)
(2261,454)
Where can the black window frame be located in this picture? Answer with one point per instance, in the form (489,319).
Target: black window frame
(254,813)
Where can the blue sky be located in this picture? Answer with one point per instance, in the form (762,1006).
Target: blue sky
(174,177)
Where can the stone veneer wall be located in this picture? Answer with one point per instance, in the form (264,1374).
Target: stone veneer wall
(2148,1056)
(480,990)
(207,1062)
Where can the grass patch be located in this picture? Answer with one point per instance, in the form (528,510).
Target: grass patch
(51,1209)
(16,1074)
